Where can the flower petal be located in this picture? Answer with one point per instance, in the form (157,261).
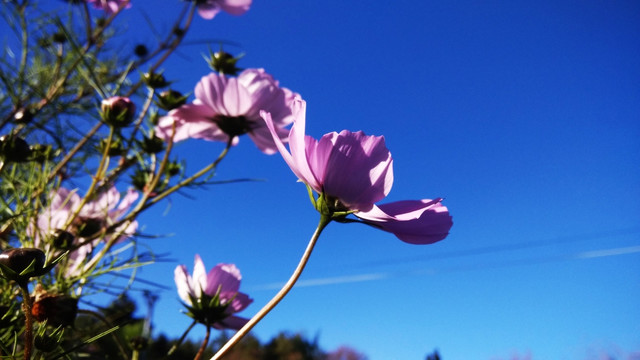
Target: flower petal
(358,170)
(231,322)
(199,277)
(190,121)
(183,283)
(412,221)
(239,302)
(224,276)
(208,10)
(235,7)
(297,158)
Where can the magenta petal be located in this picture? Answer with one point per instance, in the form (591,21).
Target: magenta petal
(240,302)
(359,168)
(412,221)
(224,276)
(297,158)
(231,322)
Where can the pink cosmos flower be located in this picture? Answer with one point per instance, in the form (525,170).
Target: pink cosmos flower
(200,290)
(100,213)
(208,9)
(109,6)
(230,106)
(352,171)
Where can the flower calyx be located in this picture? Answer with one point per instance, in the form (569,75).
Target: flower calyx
(329,206)
(171,99)
(223,62)
(207,309)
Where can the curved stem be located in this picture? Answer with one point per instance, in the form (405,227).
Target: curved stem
(184,335)
(324,221)
(203,347)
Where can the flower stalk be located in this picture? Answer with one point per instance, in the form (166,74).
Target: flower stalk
(324,221)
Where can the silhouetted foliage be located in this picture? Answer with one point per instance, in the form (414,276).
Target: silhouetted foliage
(434,356)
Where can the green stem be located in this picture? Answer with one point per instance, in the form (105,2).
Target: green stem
(104,320)
(184,335)
(324,221)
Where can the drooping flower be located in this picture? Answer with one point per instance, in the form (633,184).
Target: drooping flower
(226,107)
(208,9)
(213,298)
(96,215)
(109,6)
(352,171)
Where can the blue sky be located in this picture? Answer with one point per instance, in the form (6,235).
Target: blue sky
(523,116)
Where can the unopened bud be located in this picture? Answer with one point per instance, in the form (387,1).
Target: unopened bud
(155,80)
(223,62)
(171,99)
(56,310)
(23,116)
(115,147)
(141,50)
(14,149)
(118,111)
(152,145)
(22,263)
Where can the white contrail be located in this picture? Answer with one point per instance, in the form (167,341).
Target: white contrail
(329,281)
(608,252)
(430,271)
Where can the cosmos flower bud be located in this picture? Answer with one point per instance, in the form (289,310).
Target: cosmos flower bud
(56,310)
(23,116)
(118,111)
(41,153)
(46,340)
(223,62)
(141,50)
(152,144)
(22,263)
(171,99)
(155,80)
(14,149)
(116,148)
(62,239)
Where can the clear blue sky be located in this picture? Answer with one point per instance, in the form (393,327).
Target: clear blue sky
(524,116)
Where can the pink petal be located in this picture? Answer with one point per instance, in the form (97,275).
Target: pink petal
(231,322)
(240,302)
(297,159)
(235,7)
(263,139)
(199,277)
(358,168)
(224,276)
(191,121)
(208,11)
(266,95)
(223,95)
(412,221)
(183,283)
